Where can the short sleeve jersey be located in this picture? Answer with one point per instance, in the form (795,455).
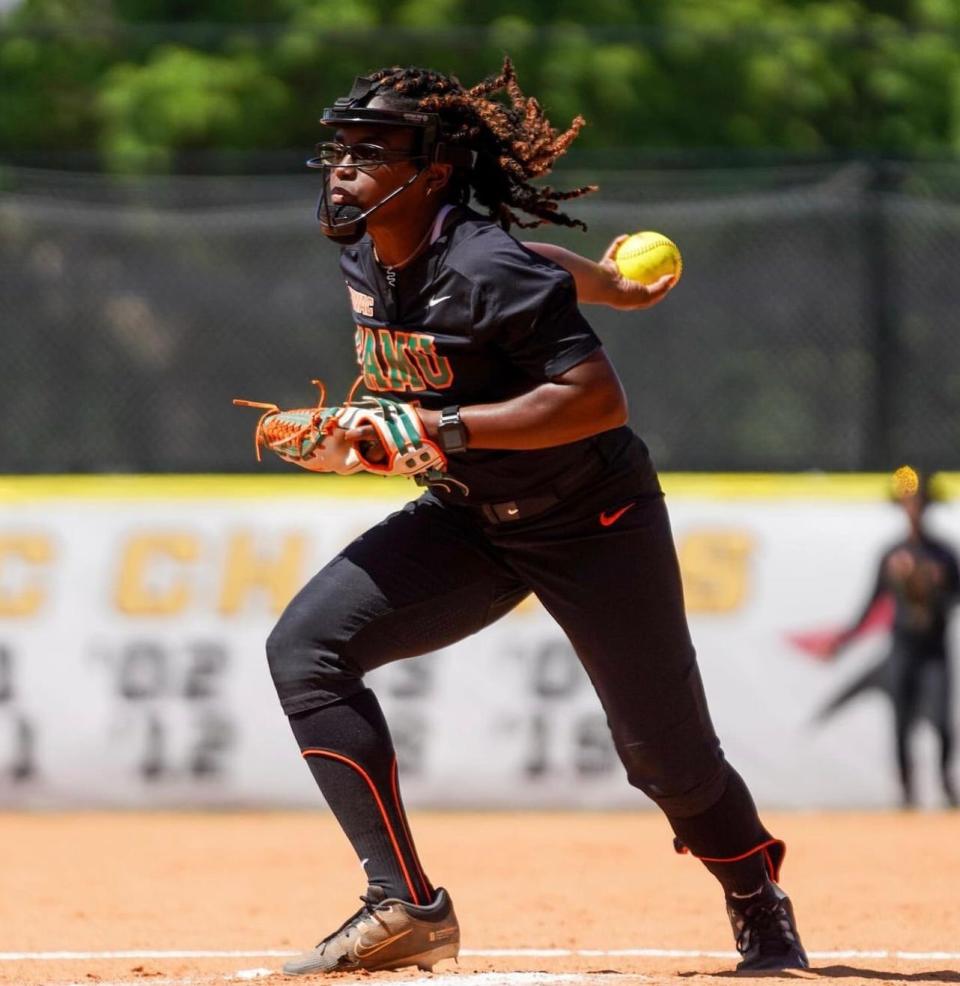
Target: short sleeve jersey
(476,318)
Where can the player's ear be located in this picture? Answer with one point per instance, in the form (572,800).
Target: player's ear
(438,177)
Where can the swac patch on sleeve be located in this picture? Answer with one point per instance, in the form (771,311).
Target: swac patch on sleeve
(362,303)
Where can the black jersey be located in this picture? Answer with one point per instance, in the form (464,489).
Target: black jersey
(476,318)
(923,578)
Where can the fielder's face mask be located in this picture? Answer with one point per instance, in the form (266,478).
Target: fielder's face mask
(347,224)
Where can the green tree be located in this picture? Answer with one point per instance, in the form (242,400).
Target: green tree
(181,100)
(145,82)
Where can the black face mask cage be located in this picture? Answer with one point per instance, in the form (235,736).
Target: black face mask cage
(347,223)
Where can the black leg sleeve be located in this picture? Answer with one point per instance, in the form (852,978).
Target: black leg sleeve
(349,751)
(731,841)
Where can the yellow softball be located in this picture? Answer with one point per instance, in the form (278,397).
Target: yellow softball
(906,482)
(647,256)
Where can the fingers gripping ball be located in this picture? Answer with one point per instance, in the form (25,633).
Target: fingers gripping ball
(315,438)
(648,256)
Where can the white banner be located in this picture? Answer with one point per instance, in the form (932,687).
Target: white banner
(132,669)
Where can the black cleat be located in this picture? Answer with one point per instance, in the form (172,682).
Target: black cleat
(766,931)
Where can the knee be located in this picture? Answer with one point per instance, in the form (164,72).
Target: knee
(305,655)
(683,780)
(284,644)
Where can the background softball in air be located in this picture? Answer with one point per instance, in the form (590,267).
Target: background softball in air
(647,256)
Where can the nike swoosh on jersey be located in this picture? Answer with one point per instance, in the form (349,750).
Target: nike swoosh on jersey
(607,519)
(436,301)
(363,951)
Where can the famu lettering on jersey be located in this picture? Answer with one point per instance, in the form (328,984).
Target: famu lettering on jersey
(391,360)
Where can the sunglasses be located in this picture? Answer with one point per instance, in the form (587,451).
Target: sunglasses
(364,157)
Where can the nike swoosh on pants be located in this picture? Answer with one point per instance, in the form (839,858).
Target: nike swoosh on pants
(607,519)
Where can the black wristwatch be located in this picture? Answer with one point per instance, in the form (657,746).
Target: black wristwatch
(451,431)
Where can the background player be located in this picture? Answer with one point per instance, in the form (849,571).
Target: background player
(919,577)
(547,491)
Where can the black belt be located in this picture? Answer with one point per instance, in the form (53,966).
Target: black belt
(507,511)
(529,506)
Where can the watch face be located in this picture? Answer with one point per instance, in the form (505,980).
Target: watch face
(452,434)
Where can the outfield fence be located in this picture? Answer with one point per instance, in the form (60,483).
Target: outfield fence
(133,615)
(815,326)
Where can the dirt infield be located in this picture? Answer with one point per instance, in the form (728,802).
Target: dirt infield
(868,885)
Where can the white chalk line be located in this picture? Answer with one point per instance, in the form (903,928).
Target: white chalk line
(144,953)
(539,953)
(466,979)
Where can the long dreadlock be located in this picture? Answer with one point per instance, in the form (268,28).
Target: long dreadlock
(514,143)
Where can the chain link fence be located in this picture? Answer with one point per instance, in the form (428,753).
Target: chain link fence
(815,326)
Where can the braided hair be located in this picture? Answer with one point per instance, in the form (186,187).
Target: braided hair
(514,142)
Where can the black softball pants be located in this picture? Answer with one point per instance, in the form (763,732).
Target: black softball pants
(432,574)
(916,675)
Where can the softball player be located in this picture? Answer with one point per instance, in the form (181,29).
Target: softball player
(547,491)
(921,576)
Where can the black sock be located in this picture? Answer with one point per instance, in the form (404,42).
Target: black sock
(349,751)
(730,840)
